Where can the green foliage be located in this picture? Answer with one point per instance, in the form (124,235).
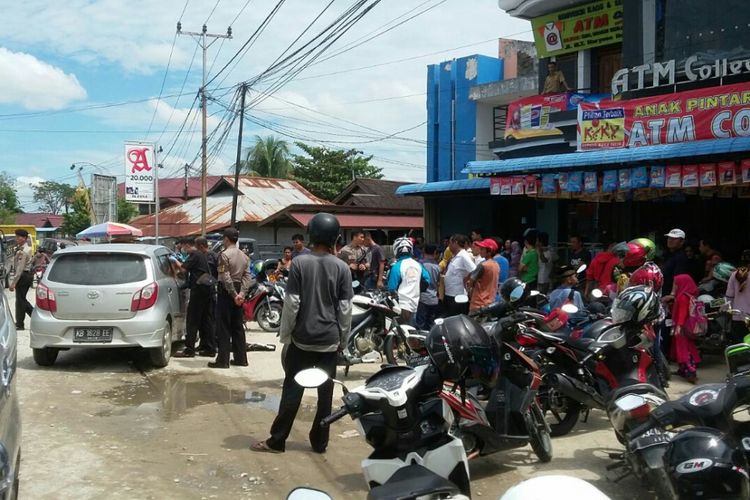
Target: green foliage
(326,172)
(8,198)
(268,157)
(125,211)
(78,218)
(53,196)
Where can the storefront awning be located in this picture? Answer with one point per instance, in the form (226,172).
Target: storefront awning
(535,164)
(481,183)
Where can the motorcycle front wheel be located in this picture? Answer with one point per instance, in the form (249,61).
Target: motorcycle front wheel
(269,318)
(539,437)
(397,352)
(560,411)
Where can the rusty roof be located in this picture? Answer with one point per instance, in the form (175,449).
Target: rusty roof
(259,198)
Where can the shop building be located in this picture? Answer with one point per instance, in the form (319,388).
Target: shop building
(653,134)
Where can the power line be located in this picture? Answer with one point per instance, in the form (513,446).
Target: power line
(212,12)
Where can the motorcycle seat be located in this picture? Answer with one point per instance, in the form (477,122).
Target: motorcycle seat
(412,482)
(358,317)
(636,389)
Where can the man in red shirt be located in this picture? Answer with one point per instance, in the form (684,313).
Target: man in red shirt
(599,273)
(484,279)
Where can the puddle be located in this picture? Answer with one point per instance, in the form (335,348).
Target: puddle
(171,396)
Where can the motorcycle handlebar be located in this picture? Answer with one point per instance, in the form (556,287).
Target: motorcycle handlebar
(337,415)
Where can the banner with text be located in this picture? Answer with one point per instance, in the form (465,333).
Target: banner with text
(139,172)
(695,115)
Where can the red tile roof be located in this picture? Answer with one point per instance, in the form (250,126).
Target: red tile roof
(39,220)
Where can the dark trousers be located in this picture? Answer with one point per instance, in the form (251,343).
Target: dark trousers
(453,309)
(22,304)
(291,396)
(426,315)
(231,333)
(200,316)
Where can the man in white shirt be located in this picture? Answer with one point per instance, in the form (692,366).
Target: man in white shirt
(459,268)
(406,277)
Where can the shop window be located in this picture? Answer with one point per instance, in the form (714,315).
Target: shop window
(568,64)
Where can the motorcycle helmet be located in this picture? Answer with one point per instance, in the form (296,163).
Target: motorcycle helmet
(649,245)
(648,274)
(636,303)
(461,349)
(636,255)
(564,488)
(403,246)
(705,463)
(722,271)
(508,287)
(323,229)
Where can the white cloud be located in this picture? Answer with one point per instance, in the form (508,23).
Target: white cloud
(36,84)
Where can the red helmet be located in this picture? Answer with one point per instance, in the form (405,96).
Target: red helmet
(648,274)
(636,255)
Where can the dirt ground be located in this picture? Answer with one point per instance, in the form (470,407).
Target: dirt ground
(102,423)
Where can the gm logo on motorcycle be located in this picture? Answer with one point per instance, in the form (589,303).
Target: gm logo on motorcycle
(694,465)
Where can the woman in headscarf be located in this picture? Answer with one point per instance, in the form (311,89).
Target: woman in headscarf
(738,294)
(515,258)
(684,351)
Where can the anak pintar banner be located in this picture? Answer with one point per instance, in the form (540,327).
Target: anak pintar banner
(695,115)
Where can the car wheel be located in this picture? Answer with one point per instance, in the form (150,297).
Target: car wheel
(45,356)
(160,355)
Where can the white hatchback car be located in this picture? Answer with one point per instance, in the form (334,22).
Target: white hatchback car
(109,295)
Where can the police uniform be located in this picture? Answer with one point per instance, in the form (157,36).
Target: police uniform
(22,282)
(234,280)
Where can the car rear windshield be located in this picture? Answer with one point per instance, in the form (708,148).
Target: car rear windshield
(98,269)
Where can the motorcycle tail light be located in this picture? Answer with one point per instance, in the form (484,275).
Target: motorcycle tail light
(640,413)
(526,340)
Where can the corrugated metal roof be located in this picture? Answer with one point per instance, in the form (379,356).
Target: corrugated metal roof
(259,198)
(442,186)
(174,187)
(608,157)
(357,221)
(39,220)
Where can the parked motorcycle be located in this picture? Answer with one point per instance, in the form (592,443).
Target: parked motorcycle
(265,305)
(38,274)
(400,414)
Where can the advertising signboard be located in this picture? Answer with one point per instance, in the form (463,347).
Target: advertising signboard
(140,172)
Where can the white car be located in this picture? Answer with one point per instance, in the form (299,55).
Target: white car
(105,296)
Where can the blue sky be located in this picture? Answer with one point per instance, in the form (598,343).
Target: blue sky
(59,60)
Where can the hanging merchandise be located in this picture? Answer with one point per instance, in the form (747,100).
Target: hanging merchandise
(689,176)
(590,184)
(609,182)
(517,185)
(707,174)
(726,173)
(495,183)
(548,184)
(745,167)
(531,184)
(673,176)
(562,180)
(623,176)
(638,178)
(658,177)
(505,186)
(575,182)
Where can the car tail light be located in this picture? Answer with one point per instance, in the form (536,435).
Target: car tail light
(145,297)
(45,298)
(526,340)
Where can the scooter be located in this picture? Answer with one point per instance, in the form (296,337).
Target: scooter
(400,413)
(265,306)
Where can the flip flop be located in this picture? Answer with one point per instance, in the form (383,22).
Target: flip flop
(262,447)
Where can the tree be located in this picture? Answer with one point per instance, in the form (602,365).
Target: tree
(53,196)
(9,206)
(77,219)
(125,211)
(326,172)
(268,157)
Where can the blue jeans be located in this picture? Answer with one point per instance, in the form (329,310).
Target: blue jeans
(426,315)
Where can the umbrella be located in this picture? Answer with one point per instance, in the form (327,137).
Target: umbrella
(109,229)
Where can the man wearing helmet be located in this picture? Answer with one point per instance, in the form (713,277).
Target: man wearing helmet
(405,277)
(315,324)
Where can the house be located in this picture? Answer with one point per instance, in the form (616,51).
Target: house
(47,224)
(377,193)
(173,191)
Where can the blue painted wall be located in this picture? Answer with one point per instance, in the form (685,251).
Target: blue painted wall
(451,116)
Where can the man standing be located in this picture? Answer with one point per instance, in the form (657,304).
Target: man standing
(355,256)
(200,283)
(555,82)
(578,256)
(234,283)
(298,246)
(405,278)
(207,344)
(459,267)
(23,278)
(375,262)
(528,268)
(675,263)
(545,263)
(315,324)
(428,307)
(483,280)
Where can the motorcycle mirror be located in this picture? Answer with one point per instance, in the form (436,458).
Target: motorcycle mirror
(517,292)
(630,402)
(355,284)
(581,269)
(462,299)
(308,494)
(569,308)
(596,293)
(311,377)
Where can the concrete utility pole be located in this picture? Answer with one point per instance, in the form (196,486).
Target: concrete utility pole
(233,221)
(201,37)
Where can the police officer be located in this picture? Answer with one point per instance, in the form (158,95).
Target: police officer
(23,278)
(315,324)
(234,283)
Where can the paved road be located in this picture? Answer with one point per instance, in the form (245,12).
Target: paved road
(102,423)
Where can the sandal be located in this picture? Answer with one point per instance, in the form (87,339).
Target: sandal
(262,446)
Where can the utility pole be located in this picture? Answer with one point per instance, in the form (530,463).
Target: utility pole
(185,191)
(201,37)
(233,221)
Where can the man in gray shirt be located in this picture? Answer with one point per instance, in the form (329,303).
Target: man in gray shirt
(315,325)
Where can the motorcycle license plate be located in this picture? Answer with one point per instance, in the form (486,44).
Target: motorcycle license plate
(97,335)
(651,438)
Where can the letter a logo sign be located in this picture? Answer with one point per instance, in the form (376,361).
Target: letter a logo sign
(138,159)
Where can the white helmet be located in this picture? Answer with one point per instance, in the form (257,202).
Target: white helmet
(557,487)
(403,246)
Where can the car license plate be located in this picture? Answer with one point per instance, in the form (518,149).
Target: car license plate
(100,335)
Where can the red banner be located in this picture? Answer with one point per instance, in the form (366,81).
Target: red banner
(712,113)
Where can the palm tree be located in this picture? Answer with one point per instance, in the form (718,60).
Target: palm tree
(268,157)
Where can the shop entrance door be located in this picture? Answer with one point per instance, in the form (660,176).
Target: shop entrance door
(608,61)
